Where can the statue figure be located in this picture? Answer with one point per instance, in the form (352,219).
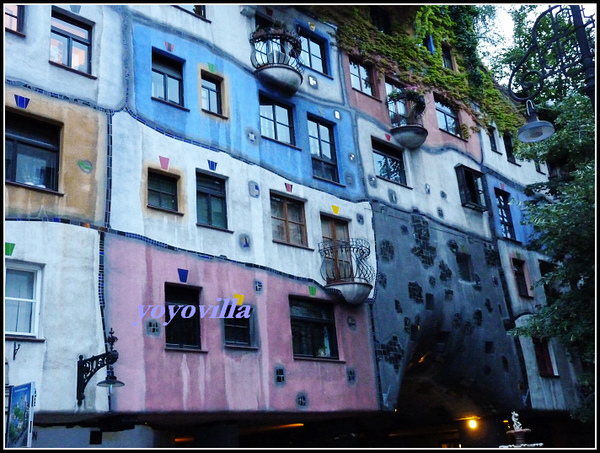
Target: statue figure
(515,420)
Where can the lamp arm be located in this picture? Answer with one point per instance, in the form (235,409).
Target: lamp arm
(86,368)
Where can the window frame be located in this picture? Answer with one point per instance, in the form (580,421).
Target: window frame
(443,112)
(18,17)
(32,133)
(380,19)
(394,155)
(464,264)
(520,274)
(447,57)
(468,184)
(311,39)
(72,38)
(36,302)
(167,67)
(393,105)
(365,81)
(163,177)
(340,265)
(323,162)
(266,101)
(491,131)
(210,193)
(509,148)
(247,324)
(543,357)
(175,325)
(218,92)
(194,10)
(286,201)
(507,225)
(313,323)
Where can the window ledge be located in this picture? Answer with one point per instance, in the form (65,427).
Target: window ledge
(551,376)
(202,18)
(514,162)
(475,207)
(218,115)
(15,32)
(526,296)
(455,136)
(172,104)
(329,181)
(318,72)
(367,95)
(514,241)
(394,182)
(75,71)
(281,143)
(224,230)
(241,347)
(169,211)
(37,189)
(304,247)
(319,359)
(13,337)
(182,349)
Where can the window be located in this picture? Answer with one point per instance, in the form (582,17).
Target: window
(70,42)
(13,17)
(322,150)
(389,163)
(313,329)
(551,289)
(239,331)
(447,57)
(167,79)
(380,19)
(276,121)
(464,266)
(21,299)
(396,108)
(508,146)
(447,118)
(31,151)
(313,52)
(506,222)
(183,330)
(543,357)
(338,267)
(197,10)
(520,277)
(211,208)
(470,184)
(211,94)
(360,78)
(492,135)
(288,220)
(162,191)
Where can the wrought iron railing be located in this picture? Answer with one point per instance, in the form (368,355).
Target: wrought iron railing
(275,46)
(345,261)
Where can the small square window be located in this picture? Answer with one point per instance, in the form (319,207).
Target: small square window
(13,17)
(360,78)
(276,121)
(211,93)
(313,329)
(389,163)
(470,184)
(322,150)
(167,78)
(21,298)
(288,221)
(162,191)
(211,204)
(70,42)
(239,330)
(183,330)
(313,52)
(32,149)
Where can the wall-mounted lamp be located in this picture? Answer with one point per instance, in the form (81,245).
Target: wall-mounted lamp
(86,368)
(535,130)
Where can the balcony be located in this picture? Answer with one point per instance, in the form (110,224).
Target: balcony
(346,270)
(406,110)
(276,58)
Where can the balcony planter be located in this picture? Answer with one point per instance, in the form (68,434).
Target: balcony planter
(410,134)
(276,58)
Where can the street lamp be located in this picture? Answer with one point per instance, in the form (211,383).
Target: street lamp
(566,23)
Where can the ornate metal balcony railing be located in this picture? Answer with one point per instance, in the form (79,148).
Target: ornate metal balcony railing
(346,261)
(276,57)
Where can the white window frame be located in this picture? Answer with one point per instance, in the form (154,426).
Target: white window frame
(37,294)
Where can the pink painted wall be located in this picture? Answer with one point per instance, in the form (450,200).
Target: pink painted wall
(221,378)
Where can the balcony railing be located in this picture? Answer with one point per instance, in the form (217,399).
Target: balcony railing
(276,57)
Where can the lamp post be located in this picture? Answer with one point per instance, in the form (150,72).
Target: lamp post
(86,368)
(566,24)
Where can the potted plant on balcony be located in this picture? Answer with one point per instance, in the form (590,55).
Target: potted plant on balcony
(409,133)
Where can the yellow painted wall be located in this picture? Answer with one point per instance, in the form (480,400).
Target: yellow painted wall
(81,195)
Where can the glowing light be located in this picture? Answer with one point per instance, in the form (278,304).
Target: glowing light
(472,424)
